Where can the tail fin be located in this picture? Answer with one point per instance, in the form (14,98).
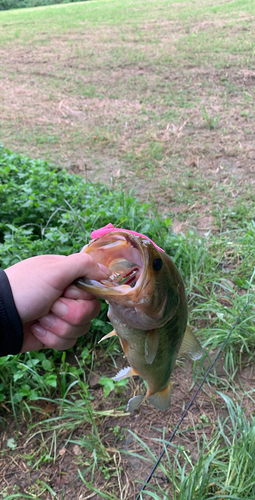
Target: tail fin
(162,399)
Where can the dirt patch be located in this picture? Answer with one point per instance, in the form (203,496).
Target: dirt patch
(59,469)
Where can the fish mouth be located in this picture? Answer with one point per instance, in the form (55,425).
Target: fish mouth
(123,254)
(125,278)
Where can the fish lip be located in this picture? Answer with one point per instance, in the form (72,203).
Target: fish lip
(140,260)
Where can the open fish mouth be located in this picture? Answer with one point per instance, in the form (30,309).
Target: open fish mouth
(124,272)
(124,256)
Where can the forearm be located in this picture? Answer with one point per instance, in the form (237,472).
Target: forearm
(11,330)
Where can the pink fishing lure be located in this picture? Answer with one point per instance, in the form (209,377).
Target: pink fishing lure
(110,228)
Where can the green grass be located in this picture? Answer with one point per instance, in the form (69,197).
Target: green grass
(224,466)
(47,210)
(138,72)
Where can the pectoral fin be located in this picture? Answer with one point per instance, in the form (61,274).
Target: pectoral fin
(124,373)
(190,346)
(111,334)
(151,345)
(134,403)
(162,399)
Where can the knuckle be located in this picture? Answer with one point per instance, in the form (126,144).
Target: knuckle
(82,312)
(78,315)
(60,343)
(56,342)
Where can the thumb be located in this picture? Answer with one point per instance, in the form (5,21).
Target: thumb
(78,265)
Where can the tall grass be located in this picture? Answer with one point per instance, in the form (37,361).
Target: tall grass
(224,467)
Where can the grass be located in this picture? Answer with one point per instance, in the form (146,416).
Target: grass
(55,211)
(159,99)
(224,465)
(154,96)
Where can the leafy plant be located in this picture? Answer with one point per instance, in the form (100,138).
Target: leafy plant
(18,4)
(44,210)
(109,385)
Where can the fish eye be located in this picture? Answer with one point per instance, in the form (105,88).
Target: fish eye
(157,264)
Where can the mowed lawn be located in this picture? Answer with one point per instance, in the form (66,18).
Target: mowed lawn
(133,91)
(155,98)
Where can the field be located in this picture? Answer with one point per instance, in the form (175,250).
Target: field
(156,101)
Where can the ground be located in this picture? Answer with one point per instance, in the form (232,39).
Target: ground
(148,425)
(161,103)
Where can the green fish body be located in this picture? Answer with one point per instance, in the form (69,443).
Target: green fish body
(147,308)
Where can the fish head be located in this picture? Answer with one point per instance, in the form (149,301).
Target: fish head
(144,286)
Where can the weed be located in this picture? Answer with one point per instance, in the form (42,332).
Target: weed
(210,120)
(44,210)
(109,385)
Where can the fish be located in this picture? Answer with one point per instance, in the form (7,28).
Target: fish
(147,309)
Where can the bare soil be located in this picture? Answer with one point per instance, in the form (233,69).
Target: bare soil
(61,473)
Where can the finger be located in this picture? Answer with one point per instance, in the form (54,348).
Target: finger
(30,342)
(60,331)
(72,292)
(68,318)
(76,266)
(76,312)
(53,341)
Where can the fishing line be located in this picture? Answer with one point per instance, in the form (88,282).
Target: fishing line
(192,400)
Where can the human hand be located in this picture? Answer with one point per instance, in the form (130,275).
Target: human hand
(54,313)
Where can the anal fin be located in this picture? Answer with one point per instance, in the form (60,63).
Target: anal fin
(190,346)
(162,399)
(134,403)
(111,334)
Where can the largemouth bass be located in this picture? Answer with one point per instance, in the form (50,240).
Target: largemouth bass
(147,308)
